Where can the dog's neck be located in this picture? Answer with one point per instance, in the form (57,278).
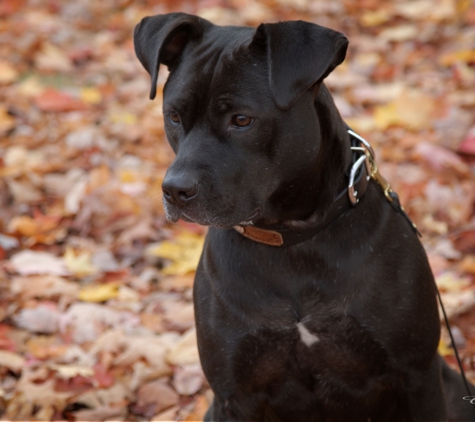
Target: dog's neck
(327,178)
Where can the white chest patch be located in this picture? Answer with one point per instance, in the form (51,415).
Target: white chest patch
(306,336)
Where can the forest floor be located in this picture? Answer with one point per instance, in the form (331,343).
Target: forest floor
(96,314)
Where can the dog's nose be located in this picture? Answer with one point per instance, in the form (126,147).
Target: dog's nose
(179,190)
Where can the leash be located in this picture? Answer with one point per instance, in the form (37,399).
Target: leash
(359,176)
(459,361)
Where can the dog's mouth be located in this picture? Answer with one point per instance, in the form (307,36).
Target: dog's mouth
(250,220)
(207,218)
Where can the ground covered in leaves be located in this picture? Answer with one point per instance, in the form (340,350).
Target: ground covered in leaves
(96,315)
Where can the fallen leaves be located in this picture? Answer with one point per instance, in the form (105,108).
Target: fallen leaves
(96,316)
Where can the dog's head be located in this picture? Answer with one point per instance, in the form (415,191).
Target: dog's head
(239,114)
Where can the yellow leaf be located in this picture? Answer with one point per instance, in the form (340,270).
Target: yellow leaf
(7,122)
(450,282)
(468,264)
(361,123)
(123,117)
(412,110)
(184,251)
(24,225)
(30,87)
(7,73)
(464,56)
(79,264)
(99,293)
(375,18)
(71,371)
(444,349)
(91,95)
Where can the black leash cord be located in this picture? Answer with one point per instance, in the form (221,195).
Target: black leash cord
(453,343)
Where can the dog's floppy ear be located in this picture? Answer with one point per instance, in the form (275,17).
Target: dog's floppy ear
(299,54)
(162,38)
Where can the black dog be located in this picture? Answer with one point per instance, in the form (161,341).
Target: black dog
(314,299)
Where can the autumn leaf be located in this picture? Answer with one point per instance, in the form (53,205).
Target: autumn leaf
(79,264)
(54,100)
(29,262)
(91,95)
(7,122)
(12,361)
(99,293)
(8,74)
(184,251)
(412,110)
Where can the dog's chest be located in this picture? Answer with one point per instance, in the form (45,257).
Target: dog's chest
(318,352)
(318,363)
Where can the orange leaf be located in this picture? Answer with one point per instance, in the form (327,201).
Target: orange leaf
(54,100)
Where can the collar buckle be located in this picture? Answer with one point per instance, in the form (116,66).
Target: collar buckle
(371,167)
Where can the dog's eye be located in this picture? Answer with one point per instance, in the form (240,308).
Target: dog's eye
(239,120)
(174,116)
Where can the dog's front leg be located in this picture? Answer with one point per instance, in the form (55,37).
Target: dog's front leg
(426,397)
(232,410)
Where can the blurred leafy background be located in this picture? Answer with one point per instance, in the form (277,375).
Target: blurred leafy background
(96,314)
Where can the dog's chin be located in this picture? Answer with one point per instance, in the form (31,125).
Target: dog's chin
(174,214)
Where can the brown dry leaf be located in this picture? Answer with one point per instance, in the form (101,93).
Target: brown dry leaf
(468,144)
(167,415)
(39,230)
(88,320)
(399,33)
(188,379)
(52,58)
(185,351)
(8,73)
(7,121)
(151,348)
(441,158)
(40,397)
(458,302)
(29,262)
(102,413)
(46,347)
(199,410)
(468,264)
(179,314)
(44,318)
(154,397)
(104,404)
(12,361)
(43,286)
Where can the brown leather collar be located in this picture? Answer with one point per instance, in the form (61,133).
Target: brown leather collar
(292,236)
